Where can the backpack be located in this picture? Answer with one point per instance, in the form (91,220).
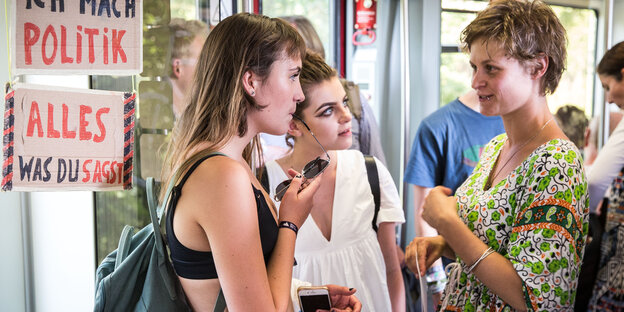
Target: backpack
(138,276)
(608,290)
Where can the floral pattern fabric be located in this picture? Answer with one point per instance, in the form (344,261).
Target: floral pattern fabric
(537,218)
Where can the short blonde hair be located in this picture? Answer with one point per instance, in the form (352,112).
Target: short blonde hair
(525,29)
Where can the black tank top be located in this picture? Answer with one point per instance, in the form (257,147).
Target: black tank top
(193,264)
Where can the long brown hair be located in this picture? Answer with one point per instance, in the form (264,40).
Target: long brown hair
(218,104)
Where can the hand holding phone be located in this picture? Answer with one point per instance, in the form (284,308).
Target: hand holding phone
(312,298)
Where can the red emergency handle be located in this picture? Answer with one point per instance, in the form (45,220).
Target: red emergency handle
(365,21)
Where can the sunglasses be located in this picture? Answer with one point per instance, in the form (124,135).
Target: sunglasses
(310,171)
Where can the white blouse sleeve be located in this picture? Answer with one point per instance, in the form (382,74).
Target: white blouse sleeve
(390,209)
(606,167)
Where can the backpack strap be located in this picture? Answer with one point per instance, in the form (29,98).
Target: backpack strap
(220,304)
(373,181)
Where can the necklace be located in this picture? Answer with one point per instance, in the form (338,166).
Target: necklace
(488,185)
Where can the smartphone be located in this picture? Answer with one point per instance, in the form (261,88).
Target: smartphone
(312,298)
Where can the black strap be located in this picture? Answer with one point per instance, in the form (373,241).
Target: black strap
(220,303)
(263,176)
(373,181)
(195,165)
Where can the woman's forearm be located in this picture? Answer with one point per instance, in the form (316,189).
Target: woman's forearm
(396,289)
(495,271)
(279,269)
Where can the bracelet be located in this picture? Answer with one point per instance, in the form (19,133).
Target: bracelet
(289,225)
(486,253)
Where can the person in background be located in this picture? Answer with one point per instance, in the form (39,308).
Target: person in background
(610,158)
(366,137)
(591,137)
(225,236)
(187,40)
(446,148)
(517,226)
(337,244)
(573,122)
(606,187)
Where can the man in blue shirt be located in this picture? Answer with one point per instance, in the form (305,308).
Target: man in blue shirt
(446,149)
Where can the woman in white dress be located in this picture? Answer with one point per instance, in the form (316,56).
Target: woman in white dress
(337,243)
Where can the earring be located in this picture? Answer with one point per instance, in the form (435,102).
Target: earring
(253,93)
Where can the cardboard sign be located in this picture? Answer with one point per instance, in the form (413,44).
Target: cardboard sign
(67,139)
(77,37)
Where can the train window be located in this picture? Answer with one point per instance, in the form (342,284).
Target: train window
(319,12)
(154,119)
(577,83)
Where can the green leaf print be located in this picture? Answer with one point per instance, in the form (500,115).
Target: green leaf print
(558,291)
(570,172)
(578,192)
(545,287)
(570,156)
(537,267)
(554,266)
(472,216)
(548,233)
(509,220)
(485,298)
(558,156)
(514,236)
(463,278)
(564,263)
(543,184)
(496,216)
(553,172)
(568,196)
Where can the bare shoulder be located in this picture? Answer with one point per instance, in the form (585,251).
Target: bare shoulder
(216,182)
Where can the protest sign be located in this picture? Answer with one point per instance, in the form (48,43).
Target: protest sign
(67,139)
(77,37)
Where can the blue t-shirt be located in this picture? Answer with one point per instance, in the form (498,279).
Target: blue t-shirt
(448,145)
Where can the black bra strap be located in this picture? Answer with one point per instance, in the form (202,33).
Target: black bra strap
(195,165)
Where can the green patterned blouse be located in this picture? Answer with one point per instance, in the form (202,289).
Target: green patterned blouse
(536,217)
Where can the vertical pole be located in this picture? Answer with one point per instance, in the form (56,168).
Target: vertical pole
(29,283)
(603,131)
(405,105)
(248,6)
